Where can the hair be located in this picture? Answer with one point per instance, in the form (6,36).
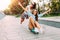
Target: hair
(34,5)
(36,16)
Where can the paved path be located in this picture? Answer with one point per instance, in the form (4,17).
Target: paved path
(11,29)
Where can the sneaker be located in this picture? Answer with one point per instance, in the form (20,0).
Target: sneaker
(36,30)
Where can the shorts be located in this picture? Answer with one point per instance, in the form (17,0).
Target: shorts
(23,16)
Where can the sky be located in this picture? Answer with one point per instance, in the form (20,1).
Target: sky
(4,4)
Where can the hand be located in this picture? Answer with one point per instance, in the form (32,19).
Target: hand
(47,11)
(20,4)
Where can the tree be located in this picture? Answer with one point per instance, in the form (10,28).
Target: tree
(14,8)
(55,5)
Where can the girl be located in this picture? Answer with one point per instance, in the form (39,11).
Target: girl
(33,19)
(29,8)
(34,26)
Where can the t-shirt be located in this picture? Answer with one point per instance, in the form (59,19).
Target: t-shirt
(28,8)
(40,15)
(30,14)
(25,14)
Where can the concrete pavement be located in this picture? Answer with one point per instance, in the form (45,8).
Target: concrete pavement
(11,29)
(51,21)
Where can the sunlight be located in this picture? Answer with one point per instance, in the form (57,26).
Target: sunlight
(4,4)
(45,1)
(35,1)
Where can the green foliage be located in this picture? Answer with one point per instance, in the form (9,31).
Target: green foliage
(55,5)
(14,8)
(52,14)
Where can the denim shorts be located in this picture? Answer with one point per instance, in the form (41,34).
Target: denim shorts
(24,16)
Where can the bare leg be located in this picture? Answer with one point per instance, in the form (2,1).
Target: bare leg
(37,25)
(22,19)
(30,26)
(34,23)
(31,23)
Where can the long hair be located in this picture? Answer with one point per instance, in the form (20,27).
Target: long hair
(36,16)
(34,5)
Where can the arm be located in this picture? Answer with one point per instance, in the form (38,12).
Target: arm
(47,11)
(40,15)
(28,12)
(31,15)
(25,9)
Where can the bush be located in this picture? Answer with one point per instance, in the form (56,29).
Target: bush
(51,14)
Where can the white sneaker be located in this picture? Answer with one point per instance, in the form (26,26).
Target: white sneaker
(36,29)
